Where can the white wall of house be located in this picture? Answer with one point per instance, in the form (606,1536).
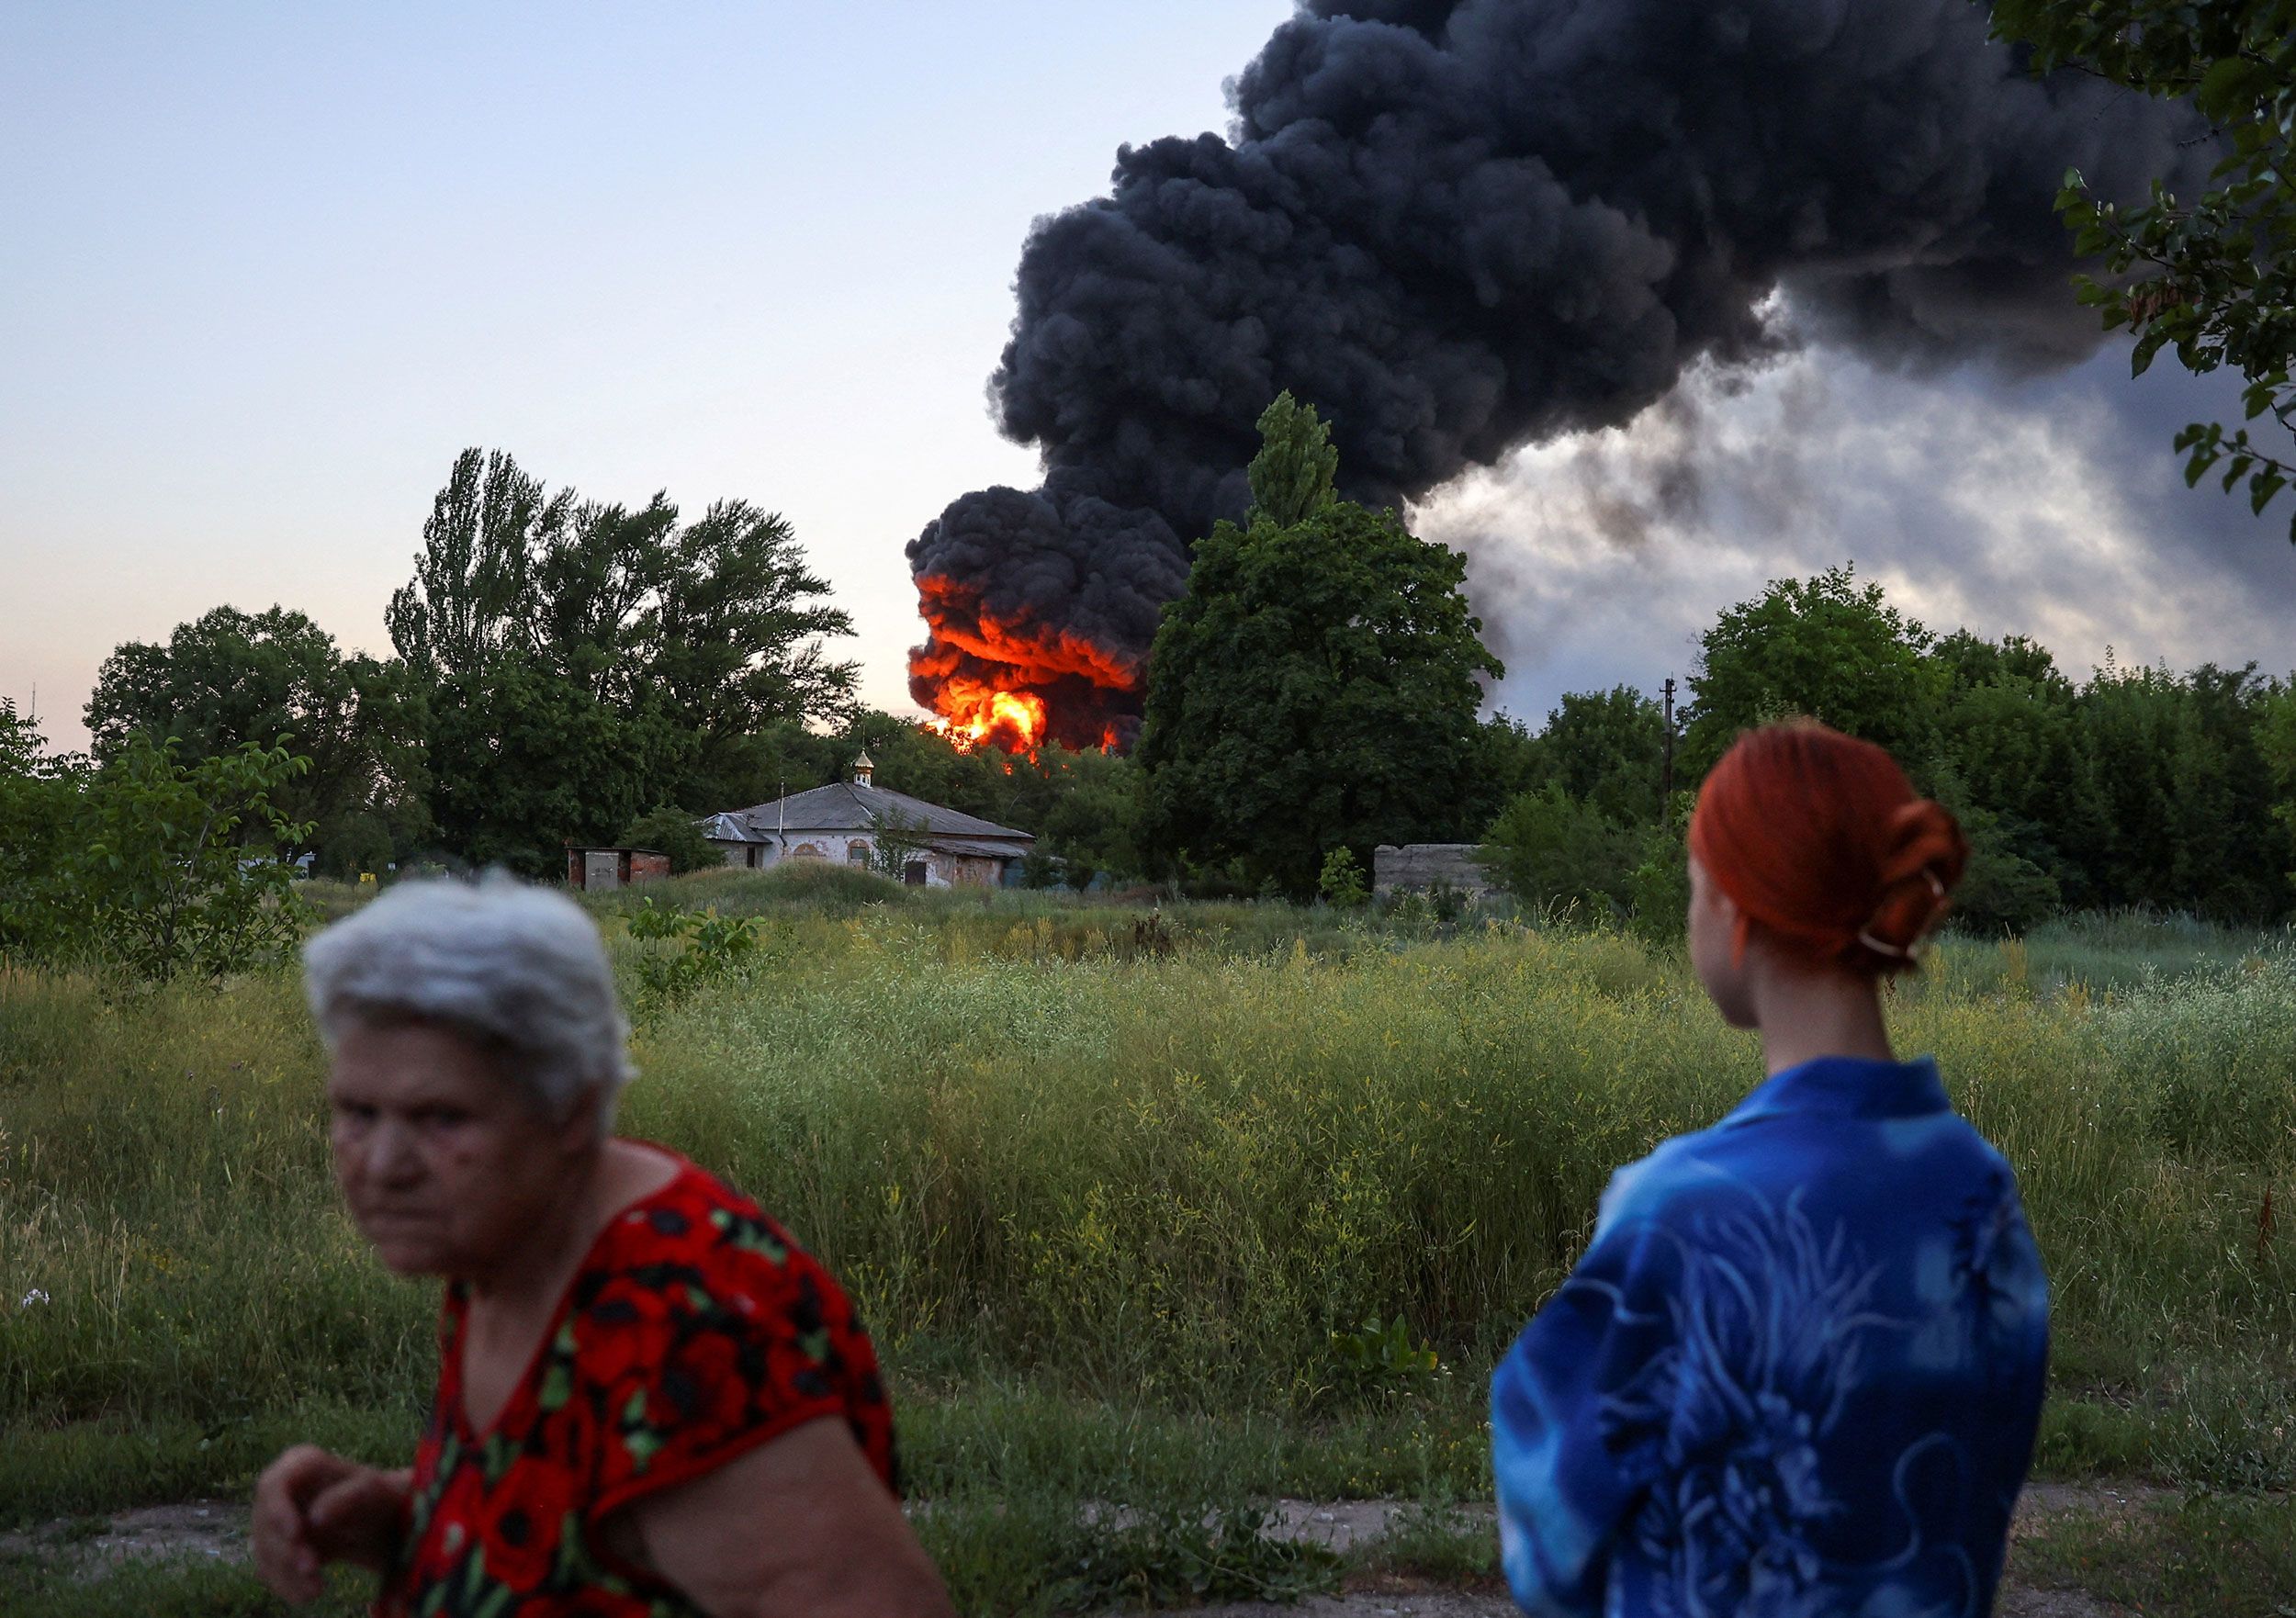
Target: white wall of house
(835,848)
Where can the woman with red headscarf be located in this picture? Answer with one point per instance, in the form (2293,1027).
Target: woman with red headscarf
(1800,1368)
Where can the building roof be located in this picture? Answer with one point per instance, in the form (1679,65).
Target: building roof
(848,806)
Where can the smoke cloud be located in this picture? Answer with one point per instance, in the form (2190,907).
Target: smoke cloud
(1460,226)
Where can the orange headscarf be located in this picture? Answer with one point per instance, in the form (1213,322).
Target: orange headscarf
(1821,841)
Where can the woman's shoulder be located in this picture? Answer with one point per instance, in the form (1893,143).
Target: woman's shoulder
(701,1328)
(696,1237)
(1893,1170)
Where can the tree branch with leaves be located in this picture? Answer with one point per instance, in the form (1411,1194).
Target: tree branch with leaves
(2211,277)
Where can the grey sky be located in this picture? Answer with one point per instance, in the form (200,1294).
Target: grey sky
(266,268)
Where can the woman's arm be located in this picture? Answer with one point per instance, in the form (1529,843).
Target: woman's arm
(1566,1406)
(799,1527)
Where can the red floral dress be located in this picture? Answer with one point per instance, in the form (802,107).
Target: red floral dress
(695,1330)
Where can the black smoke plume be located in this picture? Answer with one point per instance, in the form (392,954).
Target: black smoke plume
(1456,226)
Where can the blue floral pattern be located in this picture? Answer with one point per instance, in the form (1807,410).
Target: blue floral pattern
(1798,1374)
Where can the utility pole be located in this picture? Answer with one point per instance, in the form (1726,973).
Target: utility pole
(1666,770)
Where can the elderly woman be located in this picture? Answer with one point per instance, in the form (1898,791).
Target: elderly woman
(650,1401)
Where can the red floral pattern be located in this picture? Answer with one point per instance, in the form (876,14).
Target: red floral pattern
(695,1330)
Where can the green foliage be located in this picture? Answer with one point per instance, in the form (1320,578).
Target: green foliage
(2001,892)
(1292,474)
(1553,851)
(2276,742)
(1657,890)
(2187,793)
(2139,787)
(824,886)
(694,948)
(2188,1557)
(1314,687)
(231,678)
(1124,1180)
(185,866)
(1342,882)
(151,867)
(1829,648)
(1604,749)
(1381,1354)
(2212,277)
(41,802)
(671,830)
(523,761)
(1188,1552)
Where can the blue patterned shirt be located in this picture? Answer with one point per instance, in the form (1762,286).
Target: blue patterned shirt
(1798,1374)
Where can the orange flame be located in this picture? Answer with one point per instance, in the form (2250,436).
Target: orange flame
(1015,685)
(972,713)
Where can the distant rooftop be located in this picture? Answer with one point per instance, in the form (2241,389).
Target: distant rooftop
(849,806)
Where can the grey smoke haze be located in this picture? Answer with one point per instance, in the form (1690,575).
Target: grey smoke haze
(2049,506)
(1459,228)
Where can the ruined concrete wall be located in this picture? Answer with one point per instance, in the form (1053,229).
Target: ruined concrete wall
(1427,865)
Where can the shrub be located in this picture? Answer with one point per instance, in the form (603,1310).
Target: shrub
(673,831)
(1551,849)
(1342,882)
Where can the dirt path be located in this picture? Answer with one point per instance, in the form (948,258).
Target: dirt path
(218,1529)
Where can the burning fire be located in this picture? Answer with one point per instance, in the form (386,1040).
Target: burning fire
(1017,685)
(973,711)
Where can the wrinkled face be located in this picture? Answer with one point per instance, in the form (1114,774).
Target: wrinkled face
(445,1162)
(1713,930)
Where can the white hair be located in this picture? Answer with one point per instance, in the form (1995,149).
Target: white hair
(516,968)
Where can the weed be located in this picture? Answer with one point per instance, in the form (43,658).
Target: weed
(2201,1558)
(1135,1213)
(1382,1354)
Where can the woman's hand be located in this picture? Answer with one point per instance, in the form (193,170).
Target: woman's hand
(312,1508)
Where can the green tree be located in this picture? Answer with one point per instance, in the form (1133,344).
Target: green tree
(1608,748)
(1829,647)
(524,761)
(1314,688)
(2211,276)
(2189,794)
(778,758)
(664,653)
(1292,475)
(228,679)
(471,596)
(2003,889)
(183,870)
(1087,810)
(2010,750)
(671,830)
(2275,741)
(1341,882)
(41,804)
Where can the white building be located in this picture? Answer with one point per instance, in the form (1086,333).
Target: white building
(934,847)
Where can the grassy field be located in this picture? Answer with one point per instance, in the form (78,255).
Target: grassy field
(1136,1200)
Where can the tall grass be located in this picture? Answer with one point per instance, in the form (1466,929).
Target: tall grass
(1145,1170)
